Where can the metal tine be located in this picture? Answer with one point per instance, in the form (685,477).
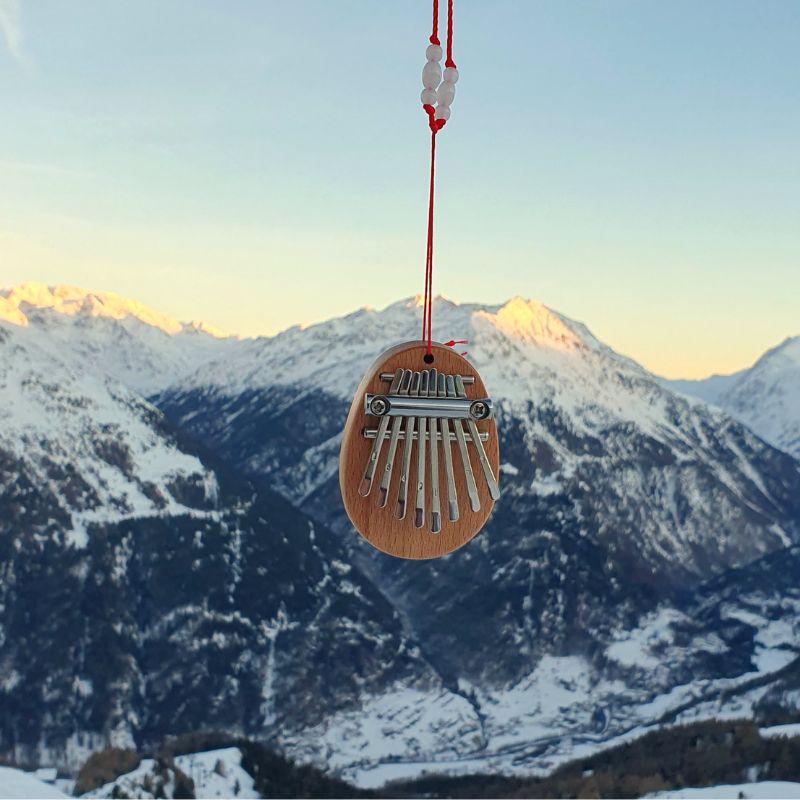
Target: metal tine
(472,488)
(397,424)
(452,496)
(388,376)
(408,444)
(422,423)
(491,481)
(436,507)
(374,456)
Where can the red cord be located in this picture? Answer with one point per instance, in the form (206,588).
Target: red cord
(449,62)
(428,313)
(435,34)
(435,125)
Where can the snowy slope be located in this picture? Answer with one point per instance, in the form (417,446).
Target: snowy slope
(90,445)
(19,785)
(789,730)
(725,653)
(213,773)
(138,346)
(766,397)
(768,790)
(217,773)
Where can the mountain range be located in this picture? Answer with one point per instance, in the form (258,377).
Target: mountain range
(175,554)
(766,396)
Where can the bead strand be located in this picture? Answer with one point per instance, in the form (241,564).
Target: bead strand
(431,74)
(439,87)
(446,93)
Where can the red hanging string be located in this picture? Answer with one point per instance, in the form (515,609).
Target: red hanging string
(428,310)
(435,34)
(449,62)
(435,125)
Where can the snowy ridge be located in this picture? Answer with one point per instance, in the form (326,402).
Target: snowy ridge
(765,397)
(20,303)
(569,397)
(524,350)
(333,355)
(124,339)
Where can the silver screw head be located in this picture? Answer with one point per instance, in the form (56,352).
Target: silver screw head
(478,410)
(378,406)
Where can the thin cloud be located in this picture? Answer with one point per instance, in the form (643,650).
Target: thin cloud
(11,28)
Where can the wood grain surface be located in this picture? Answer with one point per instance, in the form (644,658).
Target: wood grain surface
(379,526)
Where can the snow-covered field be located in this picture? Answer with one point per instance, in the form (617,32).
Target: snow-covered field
(14,783)
(766,790)
(562,711)
(776,731)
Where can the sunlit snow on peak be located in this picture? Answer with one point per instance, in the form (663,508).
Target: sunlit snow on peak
(531,321)
(17,302)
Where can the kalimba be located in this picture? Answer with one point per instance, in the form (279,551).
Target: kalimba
(419,459)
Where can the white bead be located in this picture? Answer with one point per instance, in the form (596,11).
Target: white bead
(442,112)
(450,75)
(433,53)
(431,75)
(428,97)
(445,94)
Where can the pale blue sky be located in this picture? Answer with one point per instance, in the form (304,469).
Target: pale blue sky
(255,164)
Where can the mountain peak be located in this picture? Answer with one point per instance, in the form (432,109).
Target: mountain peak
(16,303)
(531,321)
(418,301)
(789,349)
(198,326)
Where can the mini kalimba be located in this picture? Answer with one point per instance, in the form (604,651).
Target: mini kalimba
(419,454)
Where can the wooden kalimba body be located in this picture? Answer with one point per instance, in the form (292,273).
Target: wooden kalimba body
(419,455)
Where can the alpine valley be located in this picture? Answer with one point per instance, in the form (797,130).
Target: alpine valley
(175,556)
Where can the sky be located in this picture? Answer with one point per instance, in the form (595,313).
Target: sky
(257,164)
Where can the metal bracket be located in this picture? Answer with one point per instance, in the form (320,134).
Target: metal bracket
(391,405)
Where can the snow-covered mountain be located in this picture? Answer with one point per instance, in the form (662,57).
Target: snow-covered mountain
(149,589)
(672,487)
(708,389)
(88,448)
(619,496)
(766,397)
(111,335)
